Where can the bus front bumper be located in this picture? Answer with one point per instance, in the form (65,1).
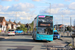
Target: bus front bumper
(45,37)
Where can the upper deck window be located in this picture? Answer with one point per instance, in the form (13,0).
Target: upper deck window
(46,19)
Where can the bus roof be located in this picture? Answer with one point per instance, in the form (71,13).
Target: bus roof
(43,15)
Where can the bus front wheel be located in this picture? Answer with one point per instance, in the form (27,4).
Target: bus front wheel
(48,41)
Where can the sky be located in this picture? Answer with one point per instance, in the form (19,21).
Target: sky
(26,10)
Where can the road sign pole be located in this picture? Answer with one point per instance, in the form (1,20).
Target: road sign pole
(27,30)
(73,41)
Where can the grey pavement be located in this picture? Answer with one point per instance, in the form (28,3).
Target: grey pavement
(66,37)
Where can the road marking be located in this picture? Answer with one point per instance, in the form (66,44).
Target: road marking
(4,37)
(17,47)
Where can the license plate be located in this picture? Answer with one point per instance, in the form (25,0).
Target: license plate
(55,37)
(44,39)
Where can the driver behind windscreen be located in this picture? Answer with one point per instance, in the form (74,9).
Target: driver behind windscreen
(45,31)
(48,31)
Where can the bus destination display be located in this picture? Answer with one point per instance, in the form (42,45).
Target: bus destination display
(44,24)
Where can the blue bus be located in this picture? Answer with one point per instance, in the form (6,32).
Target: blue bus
(43,28)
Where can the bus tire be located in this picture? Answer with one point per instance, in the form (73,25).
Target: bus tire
(49,41)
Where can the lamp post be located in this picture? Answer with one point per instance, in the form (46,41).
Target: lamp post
(70,26)
(62,26)
(71,31)
(57,26)
(16,16)
(50,6)
(62,19)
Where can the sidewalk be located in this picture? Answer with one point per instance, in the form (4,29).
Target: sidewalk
(5,33)
(3,37)
(63,44)
(67,38)
(57,45)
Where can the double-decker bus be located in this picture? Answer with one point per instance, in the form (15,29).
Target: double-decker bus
(43,28)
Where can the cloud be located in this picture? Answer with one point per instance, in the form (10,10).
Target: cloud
(36,0)
(58,5)
(21,7)
(22,18)
(56,11)
(61,9)
(72,6)
(3,8)
(19,11)
(19,16)
(6,0)
(67,0)
(53,11)
(65,11)
(16,0)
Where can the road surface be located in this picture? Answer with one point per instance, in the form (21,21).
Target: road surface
(25,42)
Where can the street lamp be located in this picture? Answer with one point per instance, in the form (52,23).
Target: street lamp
(62,23)
(62,26)
(62,19)
(16,16)
(70,25)
(57,25)
(50,6)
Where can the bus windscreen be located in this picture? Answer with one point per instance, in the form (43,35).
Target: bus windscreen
(45,30)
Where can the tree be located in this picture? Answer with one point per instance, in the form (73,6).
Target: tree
(31,25)
(22,27)
(68,28)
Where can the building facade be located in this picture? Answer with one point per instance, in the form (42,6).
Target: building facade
(10,25)
(2,24)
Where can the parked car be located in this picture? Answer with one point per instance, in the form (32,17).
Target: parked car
(56,35)
(19,31)
(11,32)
